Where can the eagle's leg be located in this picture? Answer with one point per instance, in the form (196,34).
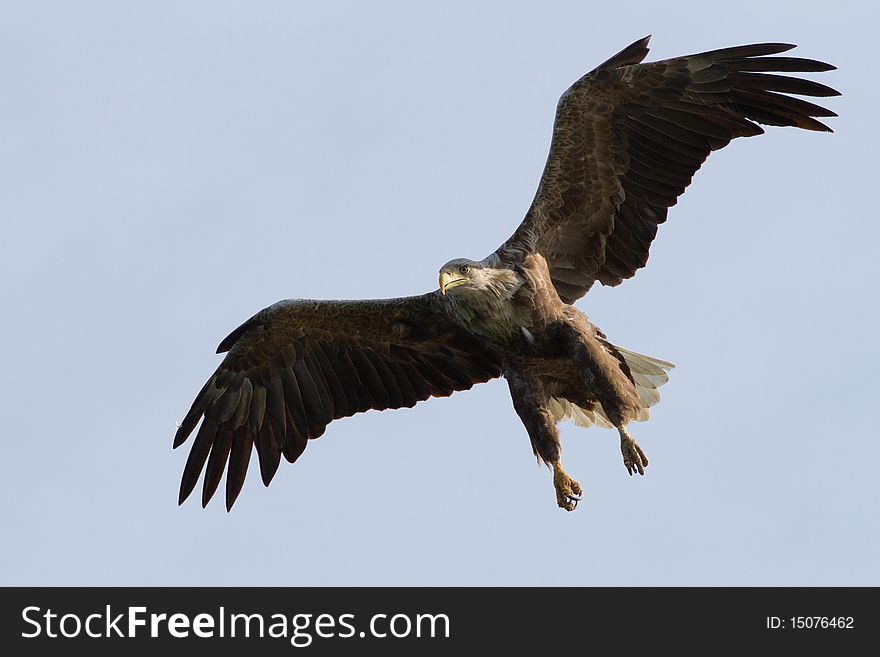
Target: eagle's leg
(600,372)
(633,457)
(531,403)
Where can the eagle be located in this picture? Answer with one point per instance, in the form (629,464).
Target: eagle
(627,139)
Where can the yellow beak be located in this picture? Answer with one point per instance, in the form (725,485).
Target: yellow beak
(446,281)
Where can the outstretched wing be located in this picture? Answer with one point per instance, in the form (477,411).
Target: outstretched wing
(298,365)
(629,137)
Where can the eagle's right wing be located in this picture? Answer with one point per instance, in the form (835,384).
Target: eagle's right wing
(299,364)
(629,137)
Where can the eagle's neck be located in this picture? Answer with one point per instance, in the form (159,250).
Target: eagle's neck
(496,310)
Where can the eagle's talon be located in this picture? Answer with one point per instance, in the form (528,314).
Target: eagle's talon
(568,491)
(634,458)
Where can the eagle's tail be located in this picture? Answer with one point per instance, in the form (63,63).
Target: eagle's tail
(648,373)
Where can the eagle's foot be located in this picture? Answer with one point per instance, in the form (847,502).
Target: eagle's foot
(568,491)
(633,457)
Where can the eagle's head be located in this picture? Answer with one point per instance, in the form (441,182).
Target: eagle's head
(468,279)
(461,272)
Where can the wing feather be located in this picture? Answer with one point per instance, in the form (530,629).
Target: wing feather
(239,459)
(216,463)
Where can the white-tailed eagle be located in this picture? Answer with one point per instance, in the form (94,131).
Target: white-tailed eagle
(627,141)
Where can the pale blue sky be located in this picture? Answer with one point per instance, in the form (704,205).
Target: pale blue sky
(168,168)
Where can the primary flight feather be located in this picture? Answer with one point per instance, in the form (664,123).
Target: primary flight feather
(627,140)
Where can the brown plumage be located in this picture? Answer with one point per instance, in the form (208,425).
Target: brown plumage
(298,365)
(627,141)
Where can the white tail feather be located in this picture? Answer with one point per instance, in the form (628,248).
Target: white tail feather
(562,409)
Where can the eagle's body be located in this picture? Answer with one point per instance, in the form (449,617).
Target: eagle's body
(553,358)
(627,140)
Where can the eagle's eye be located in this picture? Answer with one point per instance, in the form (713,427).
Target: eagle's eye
(464,269)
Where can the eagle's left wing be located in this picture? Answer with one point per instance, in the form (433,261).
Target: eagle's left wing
(629,137)
(300,364)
